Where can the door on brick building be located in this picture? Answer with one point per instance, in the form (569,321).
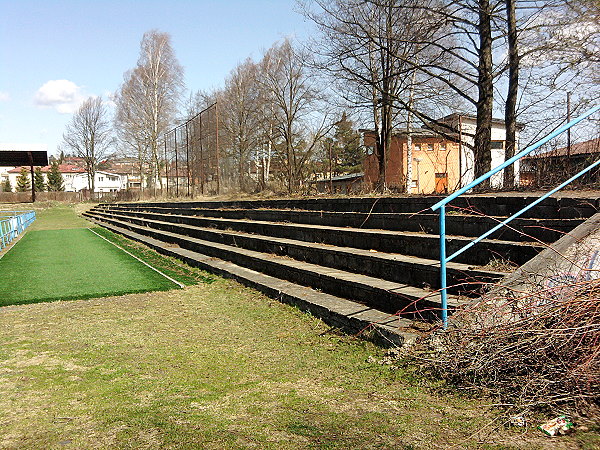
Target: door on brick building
(441,183)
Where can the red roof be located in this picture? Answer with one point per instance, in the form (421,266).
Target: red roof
(63,168)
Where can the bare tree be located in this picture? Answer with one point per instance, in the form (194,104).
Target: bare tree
(127,121)
(295,100)
(88,136)
(358,52)
(268,116)
(383,56)
(240,117)
(153,90)
(455,48)
(559,44)
(510,109)
(456,51)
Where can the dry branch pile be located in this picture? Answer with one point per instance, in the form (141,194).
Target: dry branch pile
(528,349)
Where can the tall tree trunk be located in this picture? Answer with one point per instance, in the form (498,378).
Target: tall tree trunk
(483,133)
(510,109)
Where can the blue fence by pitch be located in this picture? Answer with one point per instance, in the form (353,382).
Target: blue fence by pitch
(12,224)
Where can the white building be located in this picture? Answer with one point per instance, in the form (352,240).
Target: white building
(75,178)
(103,182)
(466,124)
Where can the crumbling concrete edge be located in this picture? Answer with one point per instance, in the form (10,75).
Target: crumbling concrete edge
(540,266)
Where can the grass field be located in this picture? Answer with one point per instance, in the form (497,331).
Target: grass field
(74,263)
(217,365)
(50,264)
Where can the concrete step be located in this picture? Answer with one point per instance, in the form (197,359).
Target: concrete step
(490,205)
(352,317)
(417,244)
(420,272)
(470,225)
(383,295)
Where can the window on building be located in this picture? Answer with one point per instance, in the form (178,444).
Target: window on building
(417,147)
(100,178)
(497,145)
(442,146)
(428,147)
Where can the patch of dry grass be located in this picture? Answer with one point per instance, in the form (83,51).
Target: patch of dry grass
(213,366)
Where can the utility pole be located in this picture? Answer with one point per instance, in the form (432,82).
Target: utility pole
(409,153)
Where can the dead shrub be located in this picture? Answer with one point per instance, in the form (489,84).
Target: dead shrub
(529,349)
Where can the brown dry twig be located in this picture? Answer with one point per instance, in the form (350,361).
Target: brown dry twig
(533,349)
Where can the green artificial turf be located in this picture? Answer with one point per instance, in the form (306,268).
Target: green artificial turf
(47,265)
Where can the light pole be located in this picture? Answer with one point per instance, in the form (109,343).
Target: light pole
(418,160)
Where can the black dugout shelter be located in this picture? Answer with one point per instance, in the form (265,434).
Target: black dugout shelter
(24,158)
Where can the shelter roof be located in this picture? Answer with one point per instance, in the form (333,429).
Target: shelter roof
(21,158)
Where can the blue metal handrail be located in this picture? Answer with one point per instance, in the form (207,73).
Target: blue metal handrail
(441,205)
(12,224)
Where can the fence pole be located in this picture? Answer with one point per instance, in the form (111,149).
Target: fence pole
(166,164)
(217,149)
(176,164)
(187,152)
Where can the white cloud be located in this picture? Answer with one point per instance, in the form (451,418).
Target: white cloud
(62,95)
(4,96)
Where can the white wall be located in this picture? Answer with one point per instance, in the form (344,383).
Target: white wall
(4,175)
(467,157)
(103,182)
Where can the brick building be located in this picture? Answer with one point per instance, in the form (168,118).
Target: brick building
(435,162)
(439,165)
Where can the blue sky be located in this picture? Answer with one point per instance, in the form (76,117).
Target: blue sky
(55,53)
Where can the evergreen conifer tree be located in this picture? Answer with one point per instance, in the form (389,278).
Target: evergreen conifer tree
(6,187)
(23,182)
(55,178)
(347,150)
(38,180)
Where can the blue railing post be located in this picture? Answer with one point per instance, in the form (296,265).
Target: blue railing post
(441,205)
(443,291)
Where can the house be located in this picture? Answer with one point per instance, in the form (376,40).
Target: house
(75,179)
(128,168)
(465,126)
(441,161)
(550,167)
(74,161)
(69,174)
(103,182)
(435,162)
